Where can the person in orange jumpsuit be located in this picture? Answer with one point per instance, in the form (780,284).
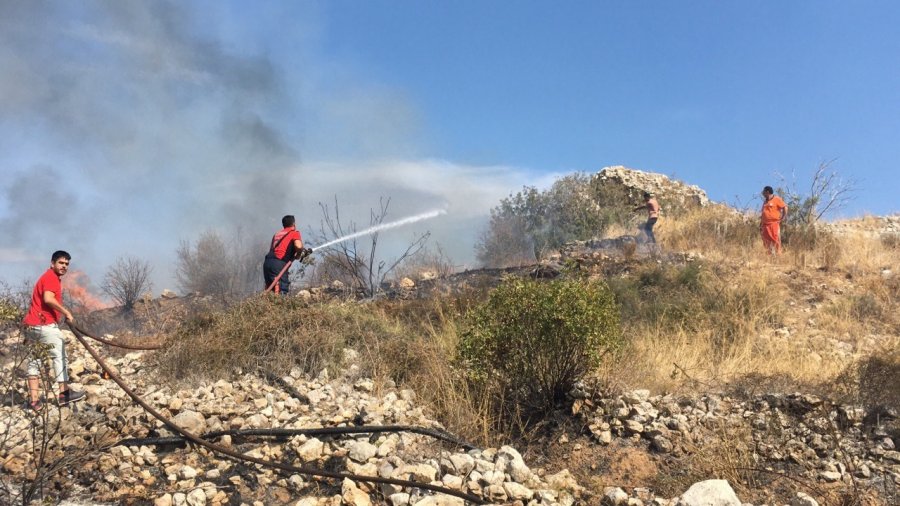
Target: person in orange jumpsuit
(774,211)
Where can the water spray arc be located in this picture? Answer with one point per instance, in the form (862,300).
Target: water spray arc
(371,230)
(384,226)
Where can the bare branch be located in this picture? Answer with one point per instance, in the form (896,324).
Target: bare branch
(126,280)
(362,267)
(828,192)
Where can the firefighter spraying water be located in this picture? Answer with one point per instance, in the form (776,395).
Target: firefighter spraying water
(287,247)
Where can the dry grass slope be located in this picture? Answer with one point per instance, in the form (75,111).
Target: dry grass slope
(822,318)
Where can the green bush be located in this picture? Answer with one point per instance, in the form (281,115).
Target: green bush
(530,224)
(531,340)
(13,303)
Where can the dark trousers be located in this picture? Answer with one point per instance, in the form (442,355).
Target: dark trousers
(647,228)
(271,268)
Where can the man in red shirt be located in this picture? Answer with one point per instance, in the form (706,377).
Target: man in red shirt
(774,211)
(286,245)
(42,326)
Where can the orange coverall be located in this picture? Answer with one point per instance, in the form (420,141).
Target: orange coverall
(770,224)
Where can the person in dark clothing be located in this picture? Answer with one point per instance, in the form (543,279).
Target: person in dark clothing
(286,245)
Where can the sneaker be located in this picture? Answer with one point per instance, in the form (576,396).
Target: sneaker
(70,396)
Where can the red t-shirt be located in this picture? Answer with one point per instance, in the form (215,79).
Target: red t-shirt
(281,248)
(40,313)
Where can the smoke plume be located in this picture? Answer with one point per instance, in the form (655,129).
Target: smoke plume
(126,127)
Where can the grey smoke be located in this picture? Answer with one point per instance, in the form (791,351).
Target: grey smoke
(126,126)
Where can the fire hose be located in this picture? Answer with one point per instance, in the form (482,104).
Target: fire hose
(187,436)
(75,327)
(283,433)
(359,429)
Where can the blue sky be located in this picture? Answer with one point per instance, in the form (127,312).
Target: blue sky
(722,94)
(126,127)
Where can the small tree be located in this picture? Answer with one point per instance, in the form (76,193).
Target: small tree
(506,242)
(531,223)
(532,340)
(361,265)
(828,192)
(126,280)
(433,261)
(199,267)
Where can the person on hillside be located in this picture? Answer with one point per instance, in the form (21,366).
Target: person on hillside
(42,326)
(286,246)
(774,211)
(652,207)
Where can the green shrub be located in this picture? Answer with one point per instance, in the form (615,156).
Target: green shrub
(9,312)
(528,225)
(531,340)
(13,303)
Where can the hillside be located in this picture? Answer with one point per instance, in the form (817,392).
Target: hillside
(771,380)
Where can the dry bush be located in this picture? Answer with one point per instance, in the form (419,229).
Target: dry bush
(890,240)
(37,459)
(430,260)
(629,248)
(727,456)
(828,192)
(261,331)
(879,379)
(411,343)
(358,261)
(214,266)
(424,358)
(813,241)
(326,267)
(127,280)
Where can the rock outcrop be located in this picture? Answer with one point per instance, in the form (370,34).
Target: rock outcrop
(674,196)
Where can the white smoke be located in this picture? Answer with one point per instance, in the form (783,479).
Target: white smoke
(126,127)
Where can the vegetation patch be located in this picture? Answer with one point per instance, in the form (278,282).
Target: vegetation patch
(531,341)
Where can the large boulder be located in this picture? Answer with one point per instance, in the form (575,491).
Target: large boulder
(709,493)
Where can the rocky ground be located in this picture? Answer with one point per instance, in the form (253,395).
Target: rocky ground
(799,436)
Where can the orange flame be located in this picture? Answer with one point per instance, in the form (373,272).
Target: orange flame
(77,292)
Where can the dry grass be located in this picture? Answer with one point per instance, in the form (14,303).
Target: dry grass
(410,343)
(728,456)
(747,314)
(687,329)
(690,327)
(716,231)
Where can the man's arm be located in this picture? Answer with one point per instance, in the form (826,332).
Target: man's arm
(50,300)
(298,247)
